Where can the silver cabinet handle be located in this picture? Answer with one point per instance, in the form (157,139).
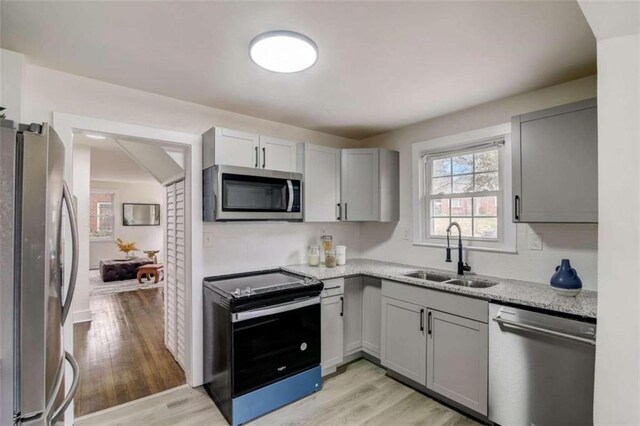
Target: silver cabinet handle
(421,319)
(72,390)
(339,210)
(517,207)
(345,212)
(256,166)
(429,323)
(264,157)
(541,330)
(66,307)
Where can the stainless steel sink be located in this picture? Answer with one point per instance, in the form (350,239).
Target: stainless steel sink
(463,282)
(429,276)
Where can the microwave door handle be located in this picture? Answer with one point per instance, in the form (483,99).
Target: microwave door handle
(290,203)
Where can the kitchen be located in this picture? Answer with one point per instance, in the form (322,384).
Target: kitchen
(372,195)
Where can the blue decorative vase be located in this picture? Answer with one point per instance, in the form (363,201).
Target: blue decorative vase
(566,281)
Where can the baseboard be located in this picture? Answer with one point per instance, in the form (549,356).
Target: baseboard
(81,316)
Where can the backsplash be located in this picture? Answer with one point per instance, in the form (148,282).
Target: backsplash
(240,247)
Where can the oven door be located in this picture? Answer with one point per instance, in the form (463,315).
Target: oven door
(275,342)
(248,194)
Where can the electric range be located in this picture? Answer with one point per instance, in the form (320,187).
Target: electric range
(261,341)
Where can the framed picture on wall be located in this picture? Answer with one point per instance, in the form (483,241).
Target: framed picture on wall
(140,214)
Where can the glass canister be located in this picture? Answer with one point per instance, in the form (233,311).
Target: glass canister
(326,243)
(314,256)
(330,259)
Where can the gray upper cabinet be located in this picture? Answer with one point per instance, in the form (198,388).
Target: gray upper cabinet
(229,147)
(321,168)
(370,185)
(457,356)
(555,164)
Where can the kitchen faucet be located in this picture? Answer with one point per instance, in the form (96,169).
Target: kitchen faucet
(462,266)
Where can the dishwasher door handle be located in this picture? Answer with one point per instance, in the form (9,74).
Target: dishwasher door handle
(545,331)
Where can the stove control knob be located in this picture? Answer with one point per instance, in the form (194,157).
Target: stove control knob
(236,292)
(246,291)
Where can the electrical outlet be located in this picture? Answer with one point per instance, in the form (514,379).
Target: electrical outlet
(208,240)
(535,240)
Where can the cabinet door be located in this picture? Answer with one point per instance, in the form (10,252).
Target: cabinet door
(360,185)
(371,315)
(321,184)
(234,148)
(278,154)
(555,164)
(404,346)
(352,315)
(332,332)
(457,354)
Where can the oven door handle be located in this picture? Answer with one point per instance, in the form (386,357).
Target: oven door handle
(290,203)
(276,309)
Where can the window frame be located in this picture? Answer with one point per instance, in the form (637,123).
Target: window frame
(507,242)
(113,195)
(428,160)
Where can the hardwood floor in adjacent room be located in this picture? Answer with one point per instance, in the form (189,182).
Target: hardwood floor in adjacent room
(363,394)
(121,352)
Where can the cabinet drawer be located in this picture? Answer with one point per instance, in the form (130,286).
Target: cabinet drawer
(332,287)
(467,307)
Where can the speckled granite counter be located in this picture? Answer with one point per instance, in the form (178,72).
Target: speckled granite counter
(514,292)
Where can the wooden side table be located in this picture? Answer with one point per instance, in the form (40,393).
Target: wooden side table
(147,271)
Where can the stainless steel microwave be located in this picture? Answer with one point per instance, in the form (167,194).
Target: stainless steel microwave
(233,193)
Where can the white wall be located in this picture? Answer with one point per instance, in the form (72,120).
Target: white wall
(47,91)
(81,190)
(145,237)
(616,26)
(576,242)
(11,77)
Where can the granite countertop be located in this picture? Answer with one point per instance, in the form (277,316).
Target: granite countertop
(514,292)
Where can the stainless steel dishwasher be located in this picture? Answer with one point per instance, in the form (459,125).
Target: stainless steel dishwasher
(541,368)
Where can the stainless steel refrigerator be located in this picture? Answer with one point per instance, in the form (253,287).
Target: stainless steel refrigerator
(35,208)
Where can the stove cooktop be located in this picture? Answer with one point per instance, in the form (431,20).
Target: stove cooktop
(258,283)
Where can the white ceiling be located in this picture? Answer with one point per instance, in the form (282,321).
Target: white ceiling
(109,162)
(382,65)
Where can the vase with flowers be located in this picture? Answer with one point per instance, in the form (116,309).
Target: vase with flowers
(128,248)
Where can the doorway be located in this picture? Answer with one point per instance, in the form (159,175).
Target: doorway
(123,338)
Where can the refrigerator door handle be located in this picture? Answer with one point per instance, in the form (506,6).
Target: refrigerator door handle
(66,307)
(72,389)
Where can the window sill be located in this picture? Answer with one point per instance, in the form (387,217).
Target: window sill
(498,249)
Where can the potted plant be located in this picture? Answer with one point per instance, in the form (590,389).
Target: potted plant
(128,248)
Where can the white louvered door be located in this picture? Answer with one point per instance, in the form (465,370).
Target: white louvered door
(175,288)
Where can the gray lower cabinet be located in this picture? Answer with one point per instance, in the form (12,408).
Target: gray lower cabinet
(457,359)
(352,315)
(555,164)
(331,335)
(371,315)
(404,346)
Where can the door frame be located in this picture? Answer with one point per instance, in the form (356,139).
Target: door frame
(68,124)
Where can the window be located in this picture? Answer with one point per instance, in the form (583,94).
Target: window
(101,215)
(464,186)
(466,178)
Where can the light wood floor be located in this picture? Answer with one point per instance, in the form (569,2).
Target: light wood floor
(121,352)
(363,394)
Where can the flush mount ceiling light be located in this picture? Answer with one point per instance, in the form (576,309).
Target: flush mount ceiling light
(283,51)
